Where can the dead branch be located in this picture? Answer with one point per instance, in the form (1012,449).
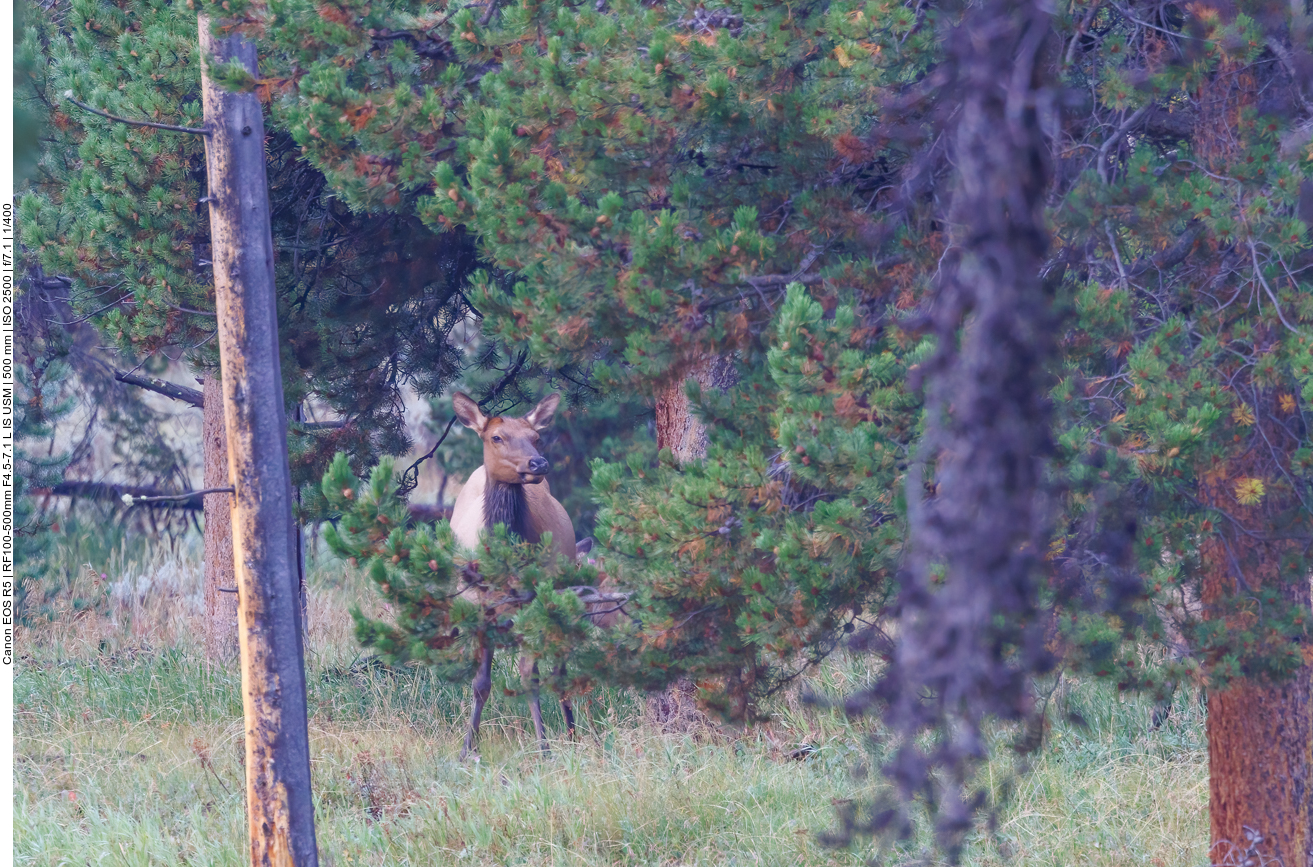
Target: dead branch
(68,94)
(168,389)
(107,491)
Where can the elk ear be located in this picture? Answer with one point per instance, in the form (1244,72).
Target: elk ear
(541,416)
(468,412)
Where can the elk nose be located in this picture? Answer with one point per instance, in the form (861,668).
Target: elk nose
(539,465)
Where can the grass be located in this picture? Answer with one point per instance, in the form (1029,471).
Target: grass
(128,752)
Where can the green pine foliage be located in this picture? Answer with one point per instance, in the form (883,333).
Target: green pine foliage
(1187,358)
(367,302)
(644,178)
(647,181)
(119,212)
(644,170)
(29,114)
(760,558)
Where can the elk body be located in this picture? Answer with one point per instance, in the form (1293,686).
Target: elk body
(510,488)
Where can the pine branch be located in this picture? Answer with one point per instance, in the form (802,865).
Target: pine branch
(1172,256)
(410,478)
(1119,136)
(496,391)
(190,310)
(781,279)
(68,94)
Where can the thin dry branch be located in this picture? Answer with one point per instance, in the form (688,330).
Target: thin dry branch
(68,94)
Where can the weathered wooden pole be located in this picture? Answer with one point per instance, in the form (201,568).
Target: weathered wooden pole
(220,606)
(279,807)
(301,590)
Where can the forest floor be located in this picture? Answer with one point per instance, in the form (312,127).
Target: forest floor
(128,751)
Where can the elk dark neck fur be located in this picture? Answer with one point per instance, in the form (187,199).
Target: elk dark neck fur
(506,504)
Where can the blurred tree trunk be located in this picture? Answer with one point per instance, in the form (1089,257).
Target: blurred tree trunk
(220,608)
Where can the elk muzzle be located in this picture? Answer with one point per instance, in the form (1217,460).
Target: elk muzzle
(537,469)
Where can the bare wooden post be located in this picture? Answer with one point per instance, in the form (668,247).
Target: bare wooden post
(279,807)
(220,607)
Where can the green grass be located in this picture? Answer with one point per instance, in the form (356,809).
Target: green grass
(128,752)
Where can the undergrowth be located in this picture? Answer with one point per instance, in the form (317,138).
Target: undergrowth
(128,751)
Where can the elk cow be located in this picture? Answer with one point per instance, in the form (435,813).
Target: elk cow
(510,488)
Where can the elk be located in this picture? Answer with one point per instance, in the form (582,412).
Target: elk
(510,488)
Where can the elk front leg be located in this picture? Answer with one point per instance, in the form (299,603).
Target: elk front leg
(566,710)
(529,674)
(482,689)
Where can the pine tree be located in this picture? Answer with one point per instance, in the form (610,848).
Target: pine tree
(41,401)
(1187,369)
(652,178)
(649,180)
(645,182)
(367,302)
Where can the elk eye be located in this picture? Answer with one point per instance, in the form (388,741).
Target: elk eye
(496,439)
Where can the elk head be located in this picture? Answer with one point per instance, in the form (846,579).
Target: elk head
(510,445)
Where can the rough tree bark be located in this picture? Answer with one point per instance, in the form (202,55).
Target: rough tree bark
(220,608)
(676,427)
(1260,736)
(280,811)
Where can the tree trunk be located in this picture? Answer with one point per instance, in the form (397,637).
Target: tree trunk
(220,608)
(1260,736)
(676,427)
(675,708)
(1258,771)
(280,811)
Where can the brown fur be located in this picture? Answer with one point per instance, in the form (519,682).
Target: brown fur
(511,486)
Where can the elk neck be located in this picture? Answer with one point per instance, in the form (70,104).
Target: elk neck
(506,504)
